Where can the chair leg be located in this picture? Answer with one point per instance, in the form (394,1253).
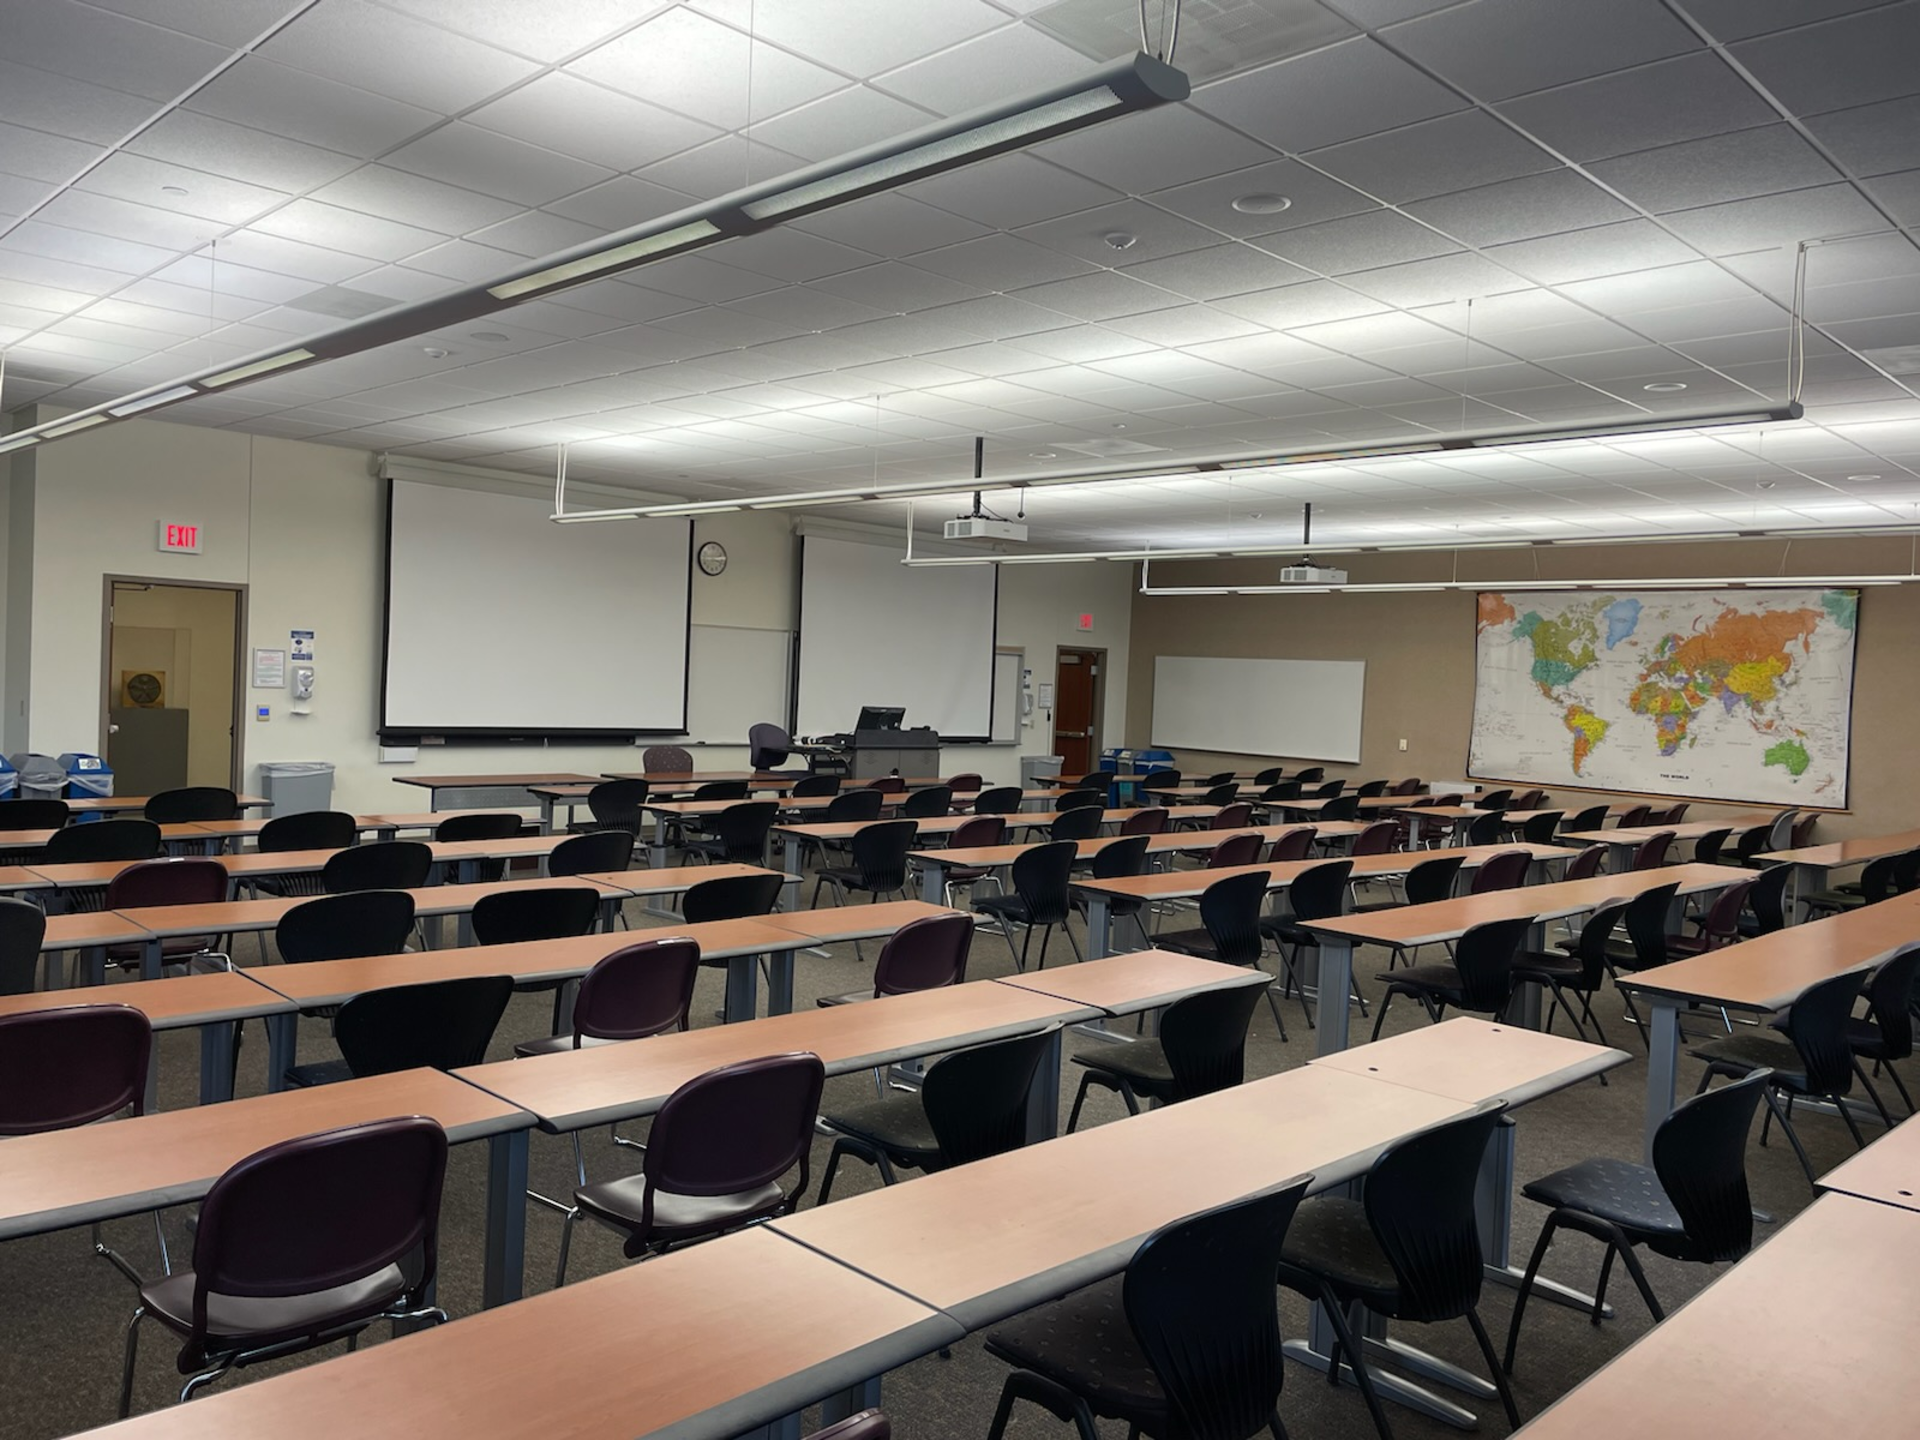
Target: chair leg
(1026,940)
(1493,1367)
(1380,1015)
(1343,1336)
(1853,1126)
(1873,1094)
(1045,936)
(133,1352)
(197,1383)
(1540,1248)
(1079,1099)
(1786,1126)
(1586,1009)
(1894,1075)
(1068,931)
(1273,1004)
(1632,1262)
(566,1244)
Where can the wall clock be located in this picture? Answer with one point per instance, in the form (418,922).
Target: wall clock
(712,557)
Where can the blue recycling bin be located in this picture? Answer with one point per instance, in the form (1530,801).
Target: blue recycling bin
(1123,757)
(87,775)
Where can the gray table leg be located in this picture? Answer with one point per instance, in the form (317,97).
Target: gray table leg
(1806,880)
(933,881)
(150,952)
(1043,1102)
(657,854)
(779,982)
(546,814)
(283,1045)
(609,914)
(1663,1059)
(1099,925)
(1526,1008)
(850,1401)
(790,862)
(1493,1216)
(1335,980)
(506,1218)
(54,963)
(216,1063)
(743,987)
(463,928)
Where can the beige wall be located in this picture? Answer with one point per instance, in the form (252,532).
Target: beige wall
(1419,649)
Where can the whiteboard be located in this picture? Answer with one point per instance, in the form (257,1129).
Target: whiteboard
(1007,665)
(735,678)
(1300,709)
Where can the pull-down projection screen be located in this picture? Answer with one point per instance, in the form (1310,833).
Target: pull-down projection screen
(500,622)
(876,632)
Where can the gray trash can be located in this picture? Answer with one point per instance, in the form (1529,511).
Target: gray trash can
(1035,770)
(297,786)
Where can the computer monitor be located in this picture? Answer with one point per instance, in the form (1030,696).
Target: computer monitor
(880,717)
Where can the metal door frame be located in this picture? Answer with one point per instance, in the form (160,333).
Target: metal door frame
(236,767)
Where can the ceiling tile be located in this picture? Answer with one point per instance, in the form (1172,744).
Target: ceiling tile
(1132,229)
(891,224)
(225,22)
(575,117)
(989,69)
(1219,271)
(477,159)
(305,107)
(1660,104)
(621,202)
(1154,150)
(844,121)
(1721,167)
(1873,139)
(1312,197)
(1330,96)
(686,62)
(1304,304)
(1183,325)
(394,55)
(1899,194)
(1533,205)
(1775,220)
(1743,19)
(1421,161)
(805,308)
(414,200)
(997,263)
(1099,296)
(142,181)
(37,155)
(535,232)
(1845,62)
(858,37)
(1360,242)
(791,255)
(544,32)
(102,48)
(1586,254)
(1010,191)
(87,248)
(1495,49)
(71,108)
(464,261)
(720,167)
(1429,282)
(346,230)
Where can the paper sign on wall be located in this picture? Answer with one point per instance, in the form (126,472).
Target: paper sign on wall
(269,669)
(302,644)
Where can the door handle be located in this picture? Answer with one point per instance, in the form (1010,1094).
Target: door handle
(1069,734)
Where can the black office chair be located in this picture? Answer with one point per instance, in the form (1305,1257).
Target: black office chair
(443,1024)
(1542,827)
(1691,1204)
(1887,1036)
(521,913)
(1371,789)
(879,863)
(731,897)
(33,815)
(596,852)
(383,865)
(1594,817)
(22,928)
(1185,1345)
(98,841)
(1229,930)
(485,825)
(1269,776)
(1318,893)
(192,802)
(850,807)
(309,830)
(973,1103)
(721,790)
(739,835)
(1767,902)
(1480,979)
(1079,824)
(814,786)
(1645,946)
(1119,860)
(1340,808)
(1000,800)
(1201,1048)
(1081,799)
(1038,901)
(926,804)
(1582,973)
(346,926)
(614,805)
(768,746)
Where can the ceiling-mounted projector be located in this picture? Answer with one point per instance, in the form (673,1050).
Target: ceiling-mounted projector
(982,527)
(1307,573)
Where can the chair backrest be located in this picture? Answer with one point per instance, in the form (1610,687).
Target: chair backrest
(1493,800)
(1706,849)
(1541,827)
(346,926)
(967,782)
(1420,1202)
(1753,843)
(616,803)
(1906,872)
(1230,910)
(598,852)
(1160,778)
(33,814)
(1802,831)
(383,865)
(851,805)
(1636,816)
(1341,807)
(1486,828)
(443,1024)
(925,954)
(721,790)
(1409,786)
(1530,800)
(309,830)
(1594,817)
(1647,924)
(1890,994)
(1282,790)
(1040,879)
(1000,800)
(1311,774)
(1199,1298)
(71,1066)
(1269,776)
(1876,879)
(1676,813)
(1295,844)
(168,882)
(1722,923)
(734,1129)
(1223,794)
(638,990)
(1150,820)
(1377,839)
(814,786)
(1651,853)
(1433,880)
(192,802)
(1586,864)
(1505,871)
(1328,789)
(933,800)
(1700,1155)
(667,759)
(22,927)
(481,825)
(731,897)
(743,828)
(1320,891)
(528,912)
(1096,780)
(976,1099)
(1591,948)
(880,853)
(1081,824)
(1368,789)
(319,1212)
(977,831)
(1817,1026)
(103,840)
(1781,835)
(1081,800)
(767,746)
(1767,900)
(1123,857)
(889,785)
(1204,1038)
(1242,849)
(1484,956)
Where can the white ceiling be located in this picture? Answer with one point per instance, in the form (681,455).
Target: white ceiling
(1504,213)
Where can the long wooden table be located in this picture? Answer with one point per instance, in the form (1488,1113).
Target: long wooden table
(469,792)
(1763,975)
(1813,864)
(1887,1171)
(1621,844)
(119,804)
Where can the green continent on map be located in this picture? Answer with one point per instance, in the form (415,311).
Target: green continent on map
(1790,753)
(1842,607)
(1588,731)
(1740,660)
(1562,648)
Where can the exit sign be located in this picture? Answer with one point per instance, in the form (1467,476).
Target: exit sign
(179,538)
(1083,621)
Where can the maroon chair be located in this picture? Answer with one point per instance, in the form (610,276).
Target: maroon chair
(303,1243)
(967,784)
(1652,852)
(925,954)
(714,1158)
(1150,821)
(1409,786)
(1505,871)
(1231,817)
(72,1066)
(639,990)
(1719,926)
(169,882)
(1377,839)
(1586,864)
(1635,817)
(1242,849)
(1803,831)
(888,785)
(1296,844)
(976,833)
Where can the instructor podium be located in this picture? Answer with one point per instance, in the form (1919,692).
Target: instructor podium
(876,747)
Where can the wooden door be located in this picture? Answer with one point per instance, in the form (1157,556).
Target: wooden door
(1076,688)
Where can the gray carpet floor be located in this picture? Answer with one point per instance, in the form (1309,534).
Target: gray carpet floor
(62,1326)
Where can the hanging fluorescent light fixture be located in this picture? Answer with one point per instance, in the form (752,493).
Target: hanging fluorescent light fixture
(252,369)
(618,257)
(171,396)
(69,427)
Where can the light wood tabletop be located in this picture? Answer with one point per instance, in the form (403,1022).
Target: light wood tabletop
(1315,806)
(847,922)
(1843,1270)
(21,877)
(500,782)
(574,1089)
(1184,884)
(1473,1060)
(1687,830)
(1848,852)
(230,916)
(92,927)
(847,829)
(252,825)
(701,809)
(1180,841)
(404,819)
(287,862)
(85,804)
(1137,980)
(1068,1212)
(178,1002)
(1887,1171)
(699,1344)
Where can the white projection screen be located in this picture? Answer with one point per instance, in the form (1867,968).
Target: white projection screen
(876,632)
(500,622)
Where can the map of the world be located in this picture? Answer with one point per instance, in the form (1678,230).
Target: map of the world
(1740,695)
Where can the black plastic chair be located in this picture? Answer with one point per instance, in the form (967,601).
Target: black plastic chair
(1328,789)
(925,804)
(1318,893)
(1119,860)
(731,897)
(1691,1204)
(302,1244)
(383,865)
(614,805)
(1493,800)
(535,912)
(98,841)
(1542,827)
(1582,973)
(1427,882)
(1269,776)
(767,746)
(1038,901)
(595,852)
(1201,1048)
(814,786)
(1229,929)
(1767,902)
(33,815)
(1487,828)
(192,802)
(714,1158)
(1645,946)
(485,825)
(1586,864)
(1185,1345)
(1371,789)
(1594,817)
(739,835)
(1887,1036)
(639,990)
(1311,775)
(22,927)
(925,954)
(973,1103)
(1079,824)
(443,1024)
(1814,1061)
(1707,848)
(1081,800)
(1651,853)
(721,790)
(1480,980)
(879,853)
(309,830)
(1876,883)
(1281,790)
(1409,1249)
(1636,817)
(1000,800)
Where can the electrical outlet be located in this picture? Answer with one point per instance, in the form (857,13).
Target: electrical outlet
(1403,745)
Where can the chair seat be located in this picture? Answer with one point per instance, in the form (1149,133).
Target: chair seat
(320,1072)
(675,1217)
(1752,1052)
(1085,1344)
(1118,906)
(847,877)
(1541,966)
(1443,981)
(1286,930)
(1834,900)
(1008,907)
(1331,1239)
(1188,942)
(896,1123)
(1143,1065)
(236,1320)
(1620,1191)
(556,1044)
